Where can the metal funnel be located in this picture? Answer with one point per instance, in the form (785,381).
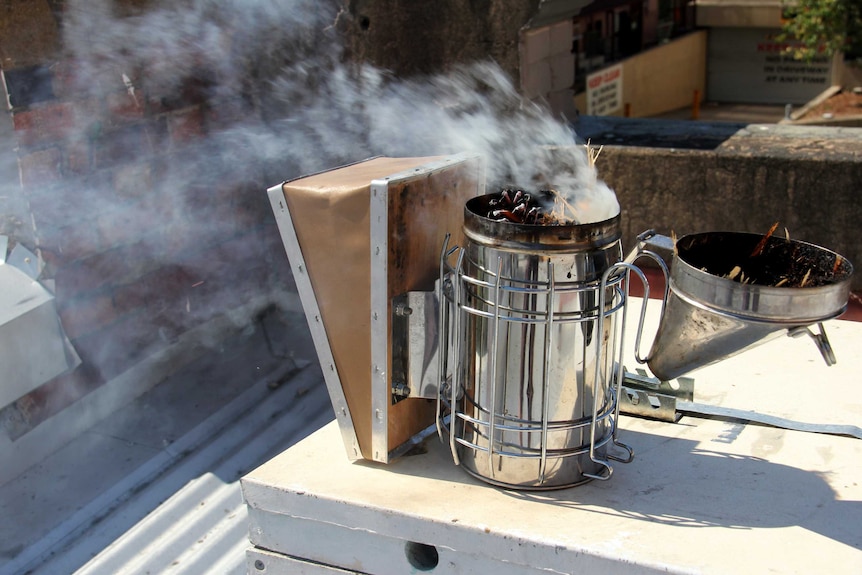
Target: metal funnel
(780,285)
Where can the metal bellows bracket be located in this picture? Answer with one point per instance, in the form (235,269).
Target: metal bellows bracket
(415,348)
(649,397)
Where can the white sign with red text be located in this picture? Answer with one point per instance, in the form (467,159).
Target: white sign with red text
(605,91)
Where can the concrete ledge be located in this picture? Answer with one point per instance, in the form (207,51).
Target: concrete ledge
(690,177)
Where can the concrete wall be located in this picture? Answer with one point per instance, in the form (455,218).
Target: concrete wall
(409,37)
(851,75)
(663,78)
(547,66)
(745,178)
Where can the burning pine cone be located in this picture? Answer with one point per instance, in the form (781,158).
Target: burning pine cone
(547,208)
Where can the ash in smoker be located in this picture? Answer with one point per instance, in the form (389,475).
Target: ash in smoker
(542,208)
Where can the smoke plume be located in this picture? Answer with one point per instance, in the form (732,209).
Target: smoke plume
(316,112)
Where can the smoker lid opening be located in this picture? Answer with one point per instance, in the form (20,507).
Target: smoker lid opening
(535,237)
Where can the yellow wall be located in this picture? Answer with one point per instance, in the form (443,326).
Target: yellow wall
(662,79)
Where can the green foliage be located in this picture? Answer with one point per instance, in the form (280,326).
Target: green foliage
(822,27)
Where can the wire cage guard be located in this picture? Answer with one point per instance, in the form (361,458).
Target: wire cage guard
(533,363)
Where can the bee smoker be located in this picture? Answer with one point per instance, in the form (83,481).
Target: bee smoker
(507,338)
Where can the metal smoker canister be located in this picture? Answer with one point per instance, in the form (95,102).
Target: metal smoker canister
(534,358)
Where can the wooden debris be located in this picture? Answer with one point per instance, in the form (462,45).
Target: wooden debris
(593,153)
(560,207)
(762,244)
(777,263)
(838,260)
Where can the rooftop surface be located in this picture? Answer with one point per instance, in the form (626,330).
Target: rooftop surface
(155,485)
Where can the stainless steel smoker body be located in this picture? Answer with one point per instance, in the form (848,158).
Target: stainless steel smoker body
(531,395)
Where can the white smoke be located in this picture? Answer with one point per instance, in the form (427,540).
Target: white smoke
(284,102)
(319,112)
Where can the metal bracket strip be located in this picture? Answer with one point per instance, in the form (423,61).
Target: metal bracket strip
(649,397)
(546,370)
(381,391)
(704,410)
(315,323)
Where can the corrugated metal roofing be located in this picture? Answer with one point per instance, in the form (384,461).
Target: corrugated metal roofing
(185,514)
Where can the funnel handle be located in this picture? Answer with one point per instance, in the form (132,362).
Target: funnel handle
(820,340)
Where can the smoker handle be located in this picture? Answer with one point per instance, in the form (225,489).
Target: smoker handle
(660,246)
